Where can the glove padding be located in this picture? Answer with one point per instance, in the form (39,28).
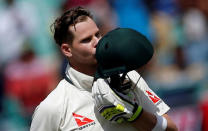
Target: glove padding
(113,105)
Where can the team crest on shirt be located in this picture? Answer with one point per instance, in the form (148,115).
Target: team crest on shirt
(83,121)
(153,97)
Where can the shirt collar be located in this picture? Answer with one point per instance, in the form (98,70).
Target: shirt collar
(80,80)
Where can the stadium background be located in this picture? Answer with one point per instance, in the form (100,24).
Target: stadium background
(31,64)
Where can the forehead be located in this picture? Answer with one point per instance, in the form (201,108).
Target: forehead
(84,29)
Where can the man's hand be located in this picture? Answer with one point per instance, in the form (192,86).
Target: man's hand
(113,105)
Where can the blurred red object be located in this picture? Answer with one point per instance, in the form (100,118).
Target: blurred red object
(29,81)
(204,109)
(72,3)
(187,118)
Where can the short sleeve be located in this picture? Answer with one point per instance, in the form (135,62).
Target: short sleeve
(146,97)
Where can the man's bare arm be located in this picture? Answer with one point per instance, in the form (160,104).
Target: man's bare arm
(147,122)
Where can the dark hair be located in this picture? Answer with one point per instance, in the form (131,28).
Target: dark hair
(68,18)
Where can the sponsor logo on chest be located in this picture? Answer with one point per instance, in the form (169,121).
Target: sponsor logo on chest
(82,121)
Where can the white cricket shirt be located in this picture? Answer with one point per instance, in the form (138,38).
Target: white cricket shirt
(71,108)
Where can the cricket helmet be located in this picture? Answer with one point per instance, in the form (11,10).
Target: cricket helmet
(122,50)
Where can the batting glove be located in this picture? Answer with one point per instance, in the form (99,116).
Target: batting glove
(113,105)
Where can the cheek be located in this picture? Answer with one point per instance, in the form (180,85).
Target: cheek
(84,53)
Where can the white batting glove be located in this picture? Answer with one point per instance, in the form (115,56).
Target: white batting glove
(113,105)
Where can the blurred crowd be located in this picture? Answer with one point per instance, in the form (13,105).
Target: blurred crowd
(31,64)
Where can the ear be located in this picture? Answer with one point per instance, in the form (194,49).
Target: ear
(66,49)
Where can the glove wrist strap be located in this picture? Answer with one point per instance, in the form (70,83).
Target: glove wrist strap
(136,114)
(161,124)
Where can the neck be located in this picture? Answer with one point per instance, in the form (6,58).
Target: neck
(87,70)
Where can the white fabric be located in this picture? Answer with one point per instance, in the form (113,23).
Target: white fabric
(161,124)
(55,113)
(104,96)
(143,91)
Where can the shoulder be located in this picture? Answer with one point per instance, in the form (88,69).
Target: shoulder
(56,99)
(54,103)
(49,112)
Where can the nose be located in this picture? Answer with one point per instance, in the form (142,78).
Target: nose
(96,39)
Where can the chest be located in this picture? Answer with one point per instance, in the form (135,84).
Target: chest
(80,114)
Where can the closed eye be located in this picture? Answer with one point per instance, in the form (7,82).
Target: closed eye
(86,40)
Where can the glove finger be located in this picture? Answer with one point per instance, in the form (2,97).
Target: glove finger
(105,96)
(95,94)
(99,91)
(111,113)
(105,91)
